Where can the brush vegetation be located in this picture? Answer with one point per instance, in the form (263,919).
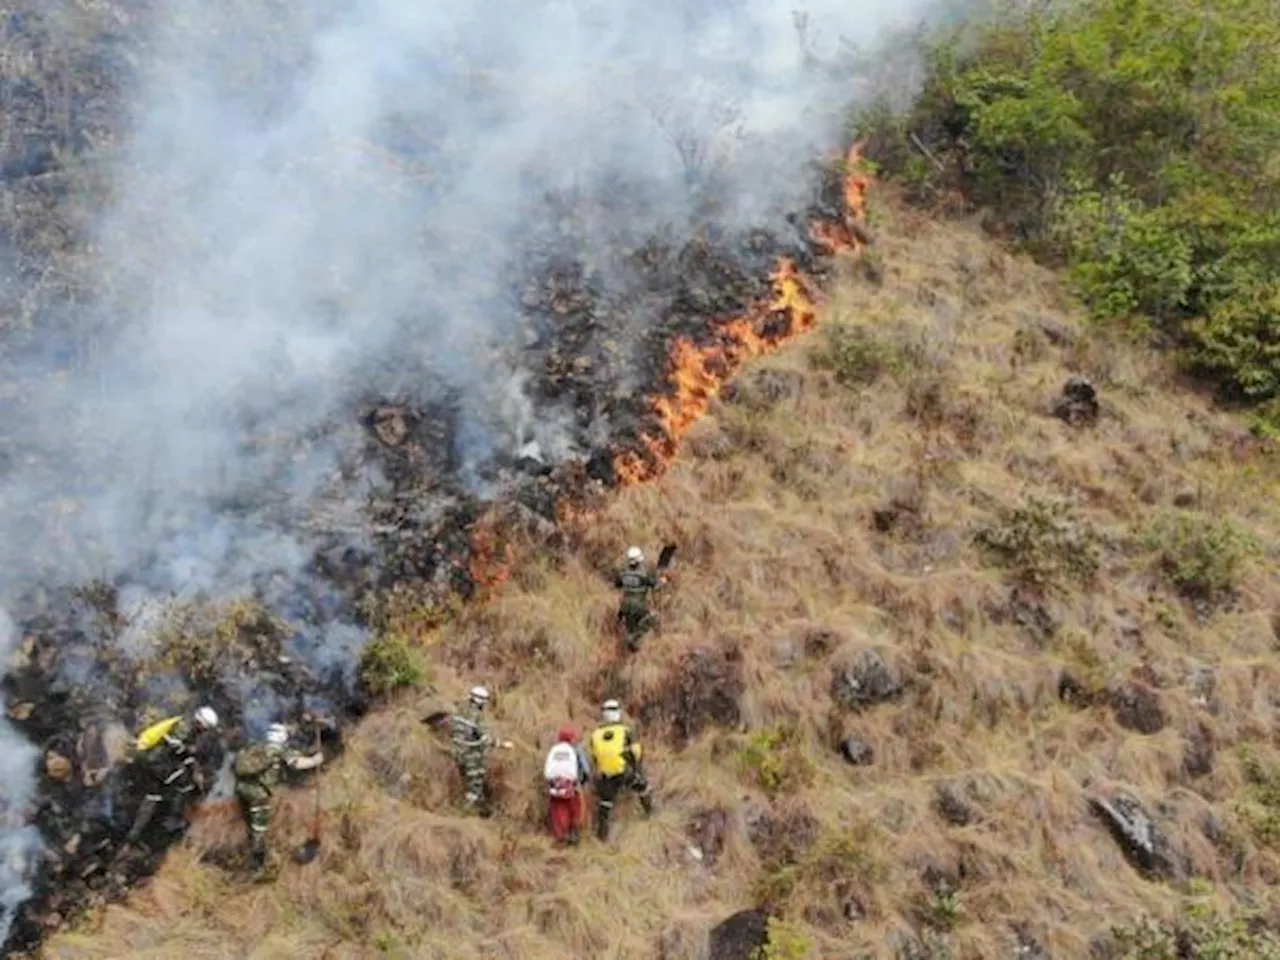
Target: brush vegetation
(1001,581)
(1134,141)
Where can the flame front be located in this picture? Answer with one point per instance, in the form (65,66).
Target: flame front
(698,372)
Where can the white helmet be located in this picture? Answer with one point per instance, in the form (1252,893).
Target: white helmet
(611,712)
(635,556)
(480,696)
(277,735)
(206,718)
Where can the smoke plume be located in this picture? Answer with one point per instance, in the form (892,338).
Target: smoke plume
(312,205)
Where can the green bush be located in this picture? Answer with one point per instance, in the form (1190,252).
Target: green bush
(854,357)
(775,761)
(785,942)
(1259,806)
(389,664)
(1202,934)
(1202,557)
(1133,141)
(1041,543)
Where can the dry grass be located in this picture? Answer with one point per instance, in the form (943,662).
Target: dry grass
(807,504)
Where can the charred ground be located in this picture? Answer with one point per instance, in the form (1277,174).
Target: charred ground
(409,515)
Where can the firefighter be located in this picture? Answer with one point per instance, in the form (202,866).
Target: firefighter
(168,754)
(471,744)
(258,770)
(616,759)
(566,771)
(636,581)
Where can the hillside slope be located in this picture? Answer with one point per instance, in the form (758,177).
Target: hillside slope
(885,484)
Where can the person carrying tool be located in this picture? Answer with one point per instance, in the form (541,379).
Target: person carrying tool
(471,742)
(168,754)
(636,581)
(566,772)
(616,758)
(258,769)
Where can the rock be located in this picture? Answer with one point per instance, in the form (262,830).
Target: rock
(1138,835)
(21,711)
(857,752)
(1078,405)
(1198,749)
(57,767)
(952,807)
(739,937)
(865,682)
(707,830)
(703,689)
(1137,707)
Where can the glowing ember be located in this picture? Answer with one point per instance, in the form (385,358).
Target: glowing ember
(699,371)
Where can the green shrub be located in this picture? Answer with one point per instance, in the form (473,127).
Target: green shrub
(785,942)
(774,760)
(388,664)
(1202,557)
(1201,933)
(1259,807)
(1133,141)
(854,357)
(1041,543)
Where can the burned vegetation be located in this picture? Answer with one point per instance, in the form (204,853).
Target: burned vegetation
(618,344)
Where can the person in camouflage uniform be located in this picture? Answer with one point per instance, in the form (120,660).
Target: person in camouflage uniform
(258,769)
(168,758)
(471,743)
(636,583)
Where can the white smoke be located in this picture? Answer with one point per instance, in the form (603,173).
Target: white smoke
(315,200)
(20,843)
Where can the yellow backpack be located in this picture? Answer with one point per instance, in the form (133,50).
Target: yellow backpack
(607,745)
(154,735)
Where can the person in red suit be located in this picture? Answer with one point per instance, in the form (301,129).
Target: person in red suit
(566,772)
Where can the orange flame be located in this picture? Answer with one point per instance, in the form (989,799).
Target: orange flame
(699,372)
(492,557)
(846,235)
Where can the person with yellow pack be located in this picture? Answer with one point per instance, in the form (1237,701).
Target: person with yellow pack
(167,753)
(616,757)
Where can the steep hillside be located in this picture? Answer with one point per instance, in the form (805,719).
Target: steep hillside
(890,540)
